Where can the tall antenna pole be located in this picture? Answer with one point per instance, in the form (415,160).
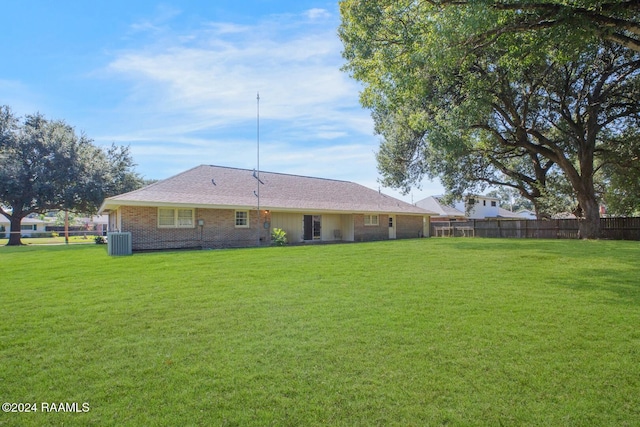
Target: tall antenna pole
(258,139)
(258,155)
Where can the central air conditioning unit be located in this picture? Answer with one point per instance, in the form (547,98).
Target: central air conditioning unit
(119,243)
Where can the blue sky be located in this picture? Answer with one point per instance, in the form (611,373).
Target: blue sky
(177,82)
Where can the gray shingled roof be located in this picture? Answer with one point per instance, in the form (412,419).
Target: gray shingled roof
(433,204)
(224,187)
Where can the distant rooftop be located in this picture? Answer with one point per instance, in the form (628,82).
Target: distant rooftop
(433,204)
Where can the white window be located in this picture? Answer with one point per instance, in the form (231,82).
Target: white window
(166,217)
(175,218)
(185,217)
(242,219)
(371,220)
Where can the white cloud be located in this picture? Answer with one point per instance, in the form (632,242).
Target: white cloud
(192,100)
(207,80)
(157,23)
(294,76)
(316,13)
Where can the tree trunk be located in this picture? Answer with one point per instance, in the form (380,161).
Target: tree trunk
(66,227)
(589,226)
(14,236)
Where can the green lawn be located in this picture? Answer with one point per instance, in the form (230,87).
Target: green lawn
(74,239)
(408,333)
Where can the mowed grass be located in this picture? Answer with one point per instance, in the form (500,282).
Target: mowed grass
(77,239)
(416,332)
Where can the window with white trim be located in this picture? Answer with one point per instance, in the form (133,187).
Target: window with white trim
(175,218)
(371,220)
(242,219)
(185,217)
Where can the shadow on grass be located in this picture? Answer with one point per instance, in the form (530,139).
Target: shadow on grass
(623,287)
(600,265)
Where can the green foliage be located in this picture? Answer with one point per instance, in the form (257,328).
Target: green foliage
(278,237)
(45,165)
(415,332)
(486,23)
(622,196)
(63,216)
(457,98)
(620,174)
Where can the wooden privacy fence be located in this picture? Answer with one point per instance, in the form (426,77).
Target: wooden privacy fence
(611,228)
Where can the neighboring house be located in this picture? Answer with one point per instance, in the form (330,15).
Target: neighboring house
(216,207)
(442,211)
(526,214)
(101,223)
(504,213)
(479,207)
(474,207)
(28,226)
(97,223)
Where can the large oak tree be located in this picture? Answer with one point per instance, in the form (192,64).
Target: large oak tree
(516,111)
(45,165)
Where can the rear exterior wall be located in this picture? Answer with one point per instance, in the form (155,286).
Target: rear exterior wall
(369,233)
(218,231)
(409,227)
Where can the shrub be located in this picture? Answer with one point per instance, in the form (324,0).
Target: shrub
(55,234)
(278,237)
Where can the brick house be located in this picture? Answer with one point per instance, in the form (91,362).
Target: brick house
(220,207)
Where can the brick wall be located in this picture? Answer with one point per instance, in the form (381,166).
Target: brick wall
(409,227)
(368,233)
(219,230)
